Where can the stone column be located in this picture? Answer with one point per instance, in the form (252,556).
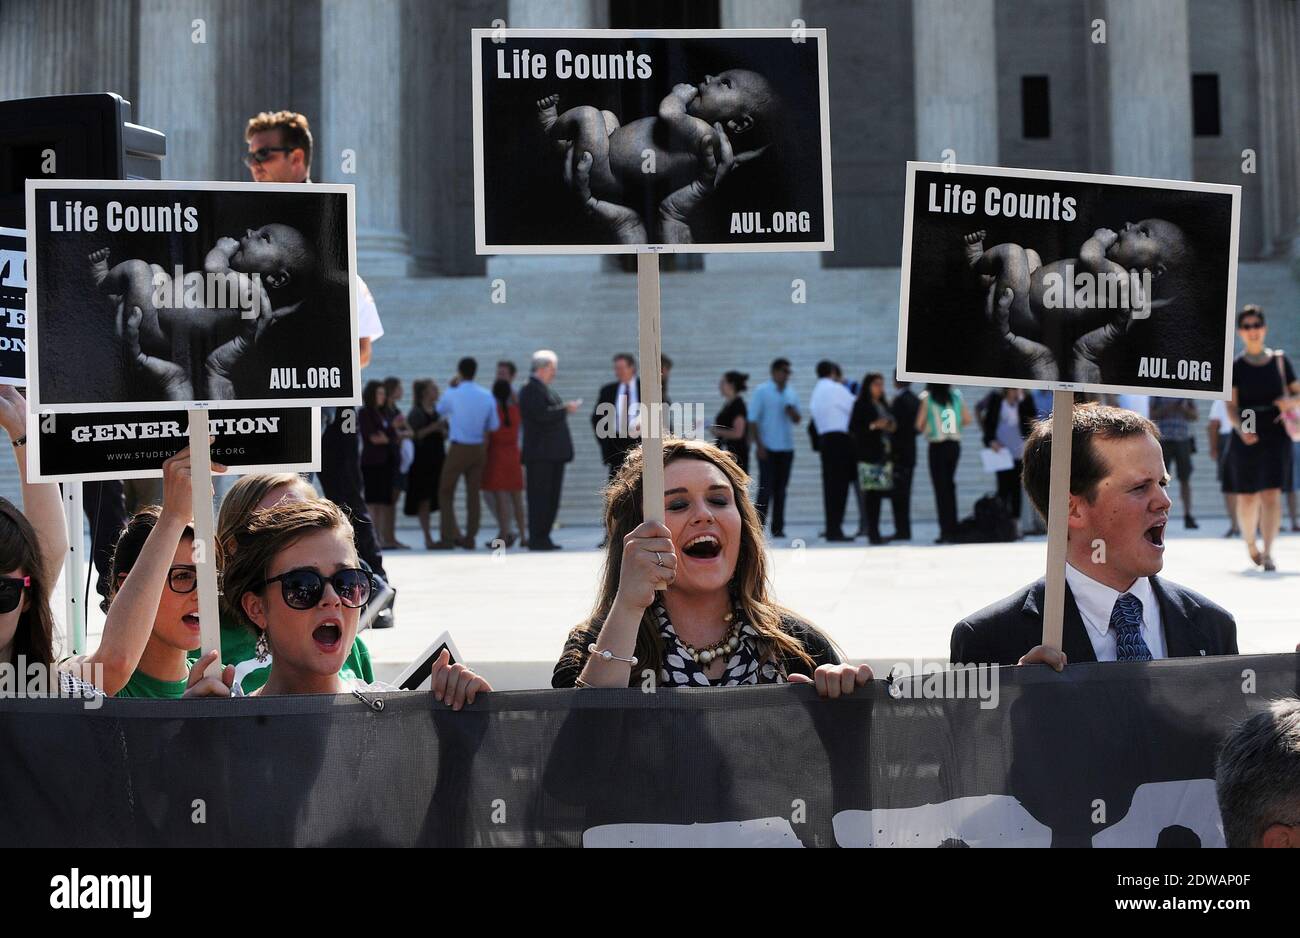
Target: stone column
(759,14)
(1149,88)
(259,59)
(18,47)
(555,14)
(178,83)
(1277,44)
(66,47)
(956,83)
(361,124)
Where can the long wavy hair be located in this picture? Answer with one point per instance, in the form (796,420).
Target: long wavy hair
(20,550)
(749,585)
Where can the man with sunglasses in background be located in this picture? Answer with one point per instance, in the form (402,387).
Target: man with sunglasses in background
(280,150)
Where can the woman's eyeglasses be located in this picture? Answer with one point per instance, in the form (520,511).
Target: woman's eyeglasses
(262,154)
(302,589)
(11,591)
(183,578)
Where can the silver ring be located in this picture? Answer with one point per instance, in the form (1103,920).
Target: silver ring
(659,558)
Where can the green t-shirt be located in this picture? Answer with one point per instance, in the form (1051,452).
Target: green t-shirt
(142,685)
(239,645)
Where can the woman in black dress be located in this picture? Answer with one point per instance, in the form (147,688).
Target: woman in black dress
(731,426)
(871,425)
(378,454)
(428,431)
(1259,460)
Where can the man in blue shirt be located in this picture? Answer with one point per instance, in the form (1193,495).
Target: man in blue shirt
(471,414)
(773,413)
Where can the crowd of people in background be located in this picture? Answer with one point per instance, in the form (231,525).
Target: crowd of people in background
(514,440)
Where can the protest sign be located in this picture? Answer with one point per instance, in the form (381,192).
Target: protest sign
(13,306)
(1068,281)
(134,445)
(695,141)
(151,295)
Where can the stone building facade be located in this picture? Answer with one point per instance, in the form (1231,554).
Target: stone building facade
(1169,88)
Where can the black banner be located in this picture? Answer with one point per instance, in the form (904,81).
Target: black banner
(13,306)
(135,445)
(1117,754)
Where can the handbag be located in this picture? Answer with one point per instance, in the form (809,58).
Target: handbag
(1290,418)
(876,476)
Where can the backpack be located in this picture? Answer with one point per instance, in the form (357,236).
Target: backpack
(991,523)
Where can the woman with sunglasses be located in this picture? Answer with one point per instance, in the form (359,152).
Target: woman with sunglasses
(32,548)
(153,603)
(293,578)
(239,648)
(1264,387)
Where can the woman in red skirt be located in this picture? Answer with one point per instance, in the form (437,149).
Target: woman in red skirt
(503,477)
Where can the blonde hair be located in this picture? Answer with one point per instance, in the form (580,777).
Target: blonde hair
(750,583)
(294,129)
(266,533)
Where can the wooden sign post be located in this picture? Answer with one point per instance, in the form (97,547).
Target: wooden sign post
(205,553)
(652,393)
(1058,510)
(74,571)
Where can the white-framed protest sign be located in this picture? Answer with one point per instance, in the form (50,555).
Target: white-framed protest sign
(622,141)
(134,445)
(13,306)
(175,295)
(1068,281)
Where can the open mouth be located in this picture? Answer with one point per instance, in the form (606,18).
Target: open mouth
(704,547)
(328,635)
(191,620)
(1155,534)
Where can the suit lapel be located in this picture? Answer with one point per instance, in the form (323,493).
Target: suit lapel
(1074,636)
(1183,635)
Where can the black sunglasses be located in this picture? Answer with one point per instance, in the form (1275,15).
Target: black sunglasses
(11,591)
(262,154)
(1248,326)
(302,589)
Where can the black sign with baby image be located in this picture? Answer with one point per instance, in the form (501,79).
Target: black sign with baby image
(1035,279)
(134,445)
(13,306)
(613,141)
(172,295)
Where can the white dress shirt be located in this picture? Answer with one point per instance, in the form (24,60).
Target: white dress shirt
(1096,602)
(831,405)
(627,390)
(368,324)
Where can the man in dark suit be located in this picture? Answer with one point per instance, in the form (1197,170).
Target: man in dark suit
(615,418)
(904,408)
(1116,608)
(547,447)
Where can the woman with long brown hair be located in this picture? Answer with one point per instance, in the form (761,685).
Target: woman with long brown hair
(686,603)
(31,557)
